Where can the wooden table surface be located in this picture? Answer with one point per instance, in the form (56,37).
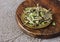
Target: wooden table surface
(9,29)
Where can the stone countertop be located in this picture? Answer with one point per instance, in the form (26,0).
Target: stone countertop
(9,30)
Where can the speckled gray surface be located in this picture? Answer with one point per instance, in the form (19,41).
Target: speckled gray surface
(9,30)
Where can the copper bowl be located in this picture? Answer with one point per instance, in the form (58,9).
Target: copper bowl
(49,31)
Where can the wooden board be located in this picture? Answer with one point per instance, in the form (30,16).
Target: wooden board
(48,32)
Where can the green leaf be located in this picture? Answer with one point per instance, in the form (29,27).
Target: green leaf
(53,23)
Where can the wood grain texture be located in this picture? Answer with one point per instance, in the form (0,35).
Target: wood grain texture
(49,31)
